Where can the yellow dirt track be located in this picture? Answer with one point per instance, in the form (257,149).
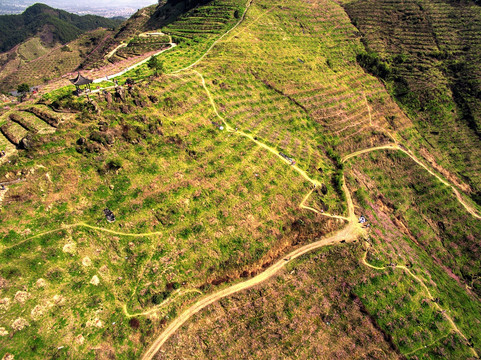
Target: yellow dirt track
(428,293)
(469,208)
(348,233)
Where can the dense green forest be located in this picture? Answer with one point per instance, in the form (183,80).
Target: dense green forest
(54,25)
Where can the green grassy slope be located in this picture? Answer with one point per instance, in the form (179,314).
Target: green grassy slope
(205,199)
(432,51)
(189,164)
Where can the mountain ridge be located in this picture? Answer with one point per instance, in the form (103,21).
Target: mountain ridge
(54,24)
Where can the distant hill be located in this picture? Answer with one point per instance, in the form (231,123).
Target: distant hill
(150,18)
(35,63)
(51,25)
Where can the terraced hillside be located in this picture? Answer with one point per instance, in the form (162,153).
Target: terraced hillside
(194,193)
(313,316)
(214,210)
(432,49)
(18,128)
(35,63)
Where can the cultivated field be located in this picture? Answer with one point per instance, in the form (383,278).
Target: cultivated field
(242,155)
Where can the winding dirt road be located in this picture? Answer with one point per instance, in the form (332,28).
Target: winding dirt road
(430,296)
(349,233)
(469,208)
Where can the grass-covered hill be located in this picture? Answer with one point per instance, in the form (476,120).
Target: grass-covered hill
(52,25)
(428,53)
(265,135)
(35,63)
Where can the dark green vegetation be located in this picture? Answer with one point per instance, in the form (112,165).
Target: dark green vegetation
(198,207)
(23,88)
(52,25)
(156,65)
(429,55)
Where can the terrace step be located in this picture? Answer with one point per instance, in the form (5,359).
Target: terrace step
(32,123)
(51,118)
(13,132)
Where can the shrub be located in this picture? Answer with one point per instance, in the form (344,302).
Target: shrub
(156,65)
(23,88)
(373,64)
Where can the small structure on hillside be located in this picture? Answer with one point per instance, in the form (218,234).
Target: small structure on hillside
(109,215)
(79,82)
(362,220)
(287,158)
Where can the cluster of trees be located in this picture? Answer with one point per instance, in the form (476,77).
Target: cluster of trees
(374,65)
(156,65)
(23,88)
(14,29)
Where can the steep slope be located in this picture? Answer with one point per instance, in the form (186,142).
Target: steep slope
(263,141)
(35,63)
(51,25)
(151,18)
(429,54)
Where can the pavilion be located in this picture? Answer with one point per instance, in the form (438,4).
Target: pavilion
(81,81)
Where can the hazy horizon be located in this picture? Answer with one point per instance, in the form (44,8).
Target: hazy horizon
(99,7)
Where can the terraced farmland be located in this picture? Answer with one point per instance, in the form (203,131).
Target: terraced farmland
(53,63)
(433,49)
(324,90)
(32,123)
(17,125)
(194,39)
(424,235)
(216,202)
(140,45)
(224,174)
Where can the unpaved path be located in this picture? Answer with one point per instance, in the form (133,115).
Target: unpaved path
(350,233)
(137,64)
(270,149)
(82,224)
(248,4)
(110,54)
(469,208)
(428,293)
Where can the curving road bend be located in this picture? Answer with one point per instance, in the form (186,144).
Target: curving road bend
(348,234)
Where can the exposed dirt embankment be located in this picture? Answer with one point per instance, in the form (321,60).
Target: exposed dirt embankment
(301,232)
